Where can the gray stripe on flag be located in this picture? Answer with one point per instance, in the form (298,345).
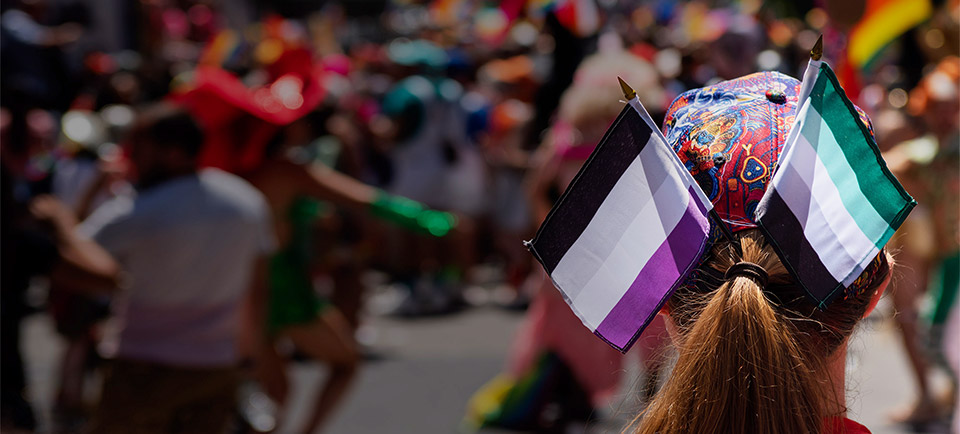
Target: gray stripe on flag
(597,242)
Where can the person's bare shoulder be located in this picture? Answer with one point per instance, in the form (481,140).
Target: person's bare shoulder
(276,172)
(278,180)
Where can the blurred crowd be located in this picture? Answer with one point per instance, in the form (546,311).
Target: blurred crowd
(240,167)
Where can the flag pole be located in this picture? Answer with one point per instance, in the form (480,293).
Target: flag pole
(631,96)
(806,85)
(810,74)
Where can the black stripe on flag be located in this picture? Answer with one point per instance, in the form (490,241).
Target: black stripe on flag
(569,217)
(785,234)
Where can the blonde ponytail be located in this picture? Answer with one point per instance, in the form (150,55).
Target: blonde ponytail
(747,364)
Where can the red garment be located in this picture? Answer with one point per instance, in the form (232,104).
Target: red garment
(240,121)
(844,426)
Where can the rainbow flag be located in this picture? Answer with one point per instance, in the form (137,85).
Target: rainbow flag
(882,22)
(832,203)
(223,47)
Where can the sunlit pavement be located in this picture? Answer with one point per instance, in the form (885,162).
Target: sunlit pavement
(422,372)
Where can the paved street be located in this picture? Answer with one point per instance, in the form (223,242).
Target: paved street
(426,370)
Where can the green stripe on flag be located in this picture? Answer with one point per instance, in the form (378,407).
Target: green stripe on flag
(817,134)
(876,183)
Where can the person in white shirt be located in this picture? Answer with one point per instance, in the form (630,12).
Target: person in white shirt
(186,253)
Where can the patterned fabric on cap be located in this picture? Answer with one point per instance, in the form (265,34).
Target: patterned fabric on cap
(730,136)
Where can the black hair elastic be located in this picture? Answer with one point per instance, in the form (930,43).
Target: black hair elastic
(747,269)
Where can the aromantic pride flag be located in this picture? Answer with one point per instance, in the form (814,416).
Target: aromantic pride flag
(881,23)
(832,204)
(631,224)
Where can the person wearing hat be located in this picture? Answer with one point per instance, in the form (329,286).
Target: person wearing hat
(260,132)
(755,354)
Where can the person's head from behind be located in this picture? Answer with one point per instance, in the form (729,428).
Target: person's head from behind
(585,105)
(403,111)
(755,354)
(164,143)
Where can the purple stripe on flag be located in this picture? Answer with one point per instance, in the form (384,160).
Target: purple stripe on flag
(658,278)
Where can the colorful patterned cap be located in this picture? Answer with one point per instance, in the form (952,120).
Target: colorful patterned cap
(730,136)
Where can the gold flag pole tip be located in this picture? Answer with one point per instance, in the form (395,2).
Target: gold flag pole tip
(815,54)
(628,91)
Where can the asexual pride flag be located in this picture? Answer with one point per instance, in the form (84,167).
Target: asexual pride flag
(832,203)
(627,229)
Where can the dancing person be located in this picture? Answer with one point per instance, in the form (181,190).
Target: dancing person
(914,244)
(931,238)
(296,311)
(183,258)
(270,148)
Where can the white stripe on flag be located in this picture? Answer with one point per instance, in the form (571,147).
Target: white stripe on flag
(808,80)
(618,211)
(803,100)
(827,225)
(646,232)
(870,222)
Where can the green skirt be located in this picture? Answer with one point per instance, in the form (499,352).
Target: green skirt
(293,300)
